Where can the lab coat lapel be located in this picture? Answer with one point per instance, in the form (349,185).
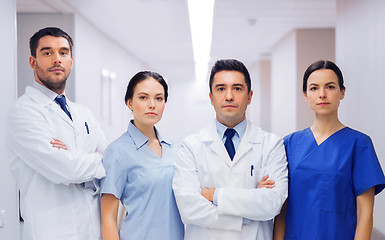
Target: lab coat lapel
(250,140)
(43,100)
(215,144)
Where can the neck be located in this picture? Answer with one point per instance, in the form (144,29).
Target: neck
(326,125)
(231,123)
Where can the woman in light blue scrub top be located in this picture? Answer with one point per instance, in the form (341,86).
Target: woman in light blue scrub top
(139,170)
(334,172)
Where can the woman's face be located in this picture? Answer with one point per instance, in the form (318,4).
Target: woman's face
(147,103)
(323,92)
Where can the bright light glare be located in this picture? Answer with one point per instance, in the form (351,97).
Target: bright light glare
(201,24)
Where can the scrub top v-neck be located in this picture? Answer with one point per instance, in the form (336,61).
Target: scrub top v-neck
(143,182)
(324,181)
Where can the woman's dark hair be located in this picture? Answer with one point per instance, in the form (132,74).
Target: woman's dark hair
(48,31)
(141,76)
(230,65)
(323,64)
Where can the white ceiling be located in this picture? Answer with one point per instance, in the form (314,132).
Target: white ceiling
(158,33)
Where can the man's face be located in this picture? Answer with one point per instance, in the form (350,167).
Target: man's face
(230,97)
(53,62)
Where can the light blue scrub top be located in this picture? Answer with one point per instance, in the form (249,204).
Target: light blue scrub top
(143,183)
(324,181)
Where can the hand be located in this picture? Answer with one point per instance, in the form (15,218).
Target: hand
(264,183)
(56,143)
(208,193)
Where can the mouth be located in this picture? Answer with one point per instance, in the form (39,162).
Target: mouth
(151,114)
(56,70)
(322,104)
(229,106)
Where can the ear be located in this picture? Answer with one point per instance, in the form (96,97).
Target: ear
(211,98)
(305,97)
(129,104)
(72,61)
(250,97)
(32,62)
(342,94)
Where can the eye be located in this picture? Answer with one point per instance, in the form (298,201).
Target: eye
(331,87)
(142,97)
(46,53)
(64,53)
(313,88)
(237,88)
(159,98)
(221,89)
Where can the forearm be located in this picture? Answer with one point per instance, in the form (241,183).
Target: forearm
(255,204)
(364,227)
(197,210)
(109,229)
(365,204)
(109,213)
(279,224)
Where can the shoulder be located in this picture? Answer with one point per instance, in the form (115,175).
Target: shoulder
(255,133)
(204,134)
(25,109)
(122,143)
(361,140)
(292,137)
(122,147)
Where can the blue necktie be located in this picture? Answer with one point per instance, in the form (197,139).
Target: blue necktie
(61,99)
(229,133)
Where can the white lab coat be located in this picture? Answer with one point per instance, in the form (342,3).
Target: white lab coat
(55,201)
(203,162)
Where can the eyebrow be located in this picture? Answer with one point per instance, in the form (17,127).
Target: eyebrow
(49,48)
(149,94)
(325,84)
(233,85)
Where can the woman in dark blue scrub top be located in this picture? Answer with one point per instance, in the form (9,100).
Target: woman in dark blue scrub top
(334,172)
(139,170)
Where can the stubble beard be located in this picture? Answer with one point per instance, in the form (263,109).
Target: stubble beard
(58,86)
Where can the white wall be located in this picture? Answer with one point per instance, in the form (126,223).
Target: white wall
(360,52)
(94,52)
(9,195)
(283,86)
(290,58)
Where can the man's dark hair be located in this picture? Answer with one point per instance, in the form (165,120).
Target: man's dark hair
(230,65)
(48,31)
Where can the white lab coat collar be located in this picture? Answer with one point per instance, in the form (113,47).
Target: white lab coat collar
(40,97)
(253,135)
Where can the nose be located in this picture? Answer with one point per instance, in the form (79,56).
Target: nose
(322,93)
(229,95)
(151,103)
(56,58)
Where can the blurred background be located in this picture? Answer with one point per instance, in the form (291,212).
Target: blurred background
(181,39)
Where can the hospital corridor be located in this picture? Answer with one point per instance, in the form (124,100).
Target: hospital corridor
(178,43)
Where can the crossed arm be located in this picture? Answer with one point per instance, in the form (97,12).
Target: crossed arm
(30,139)
(208,193)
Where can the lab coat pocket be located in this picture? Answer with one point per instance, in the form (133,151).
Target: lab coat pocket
(253,176)
(334,197)
(55,223)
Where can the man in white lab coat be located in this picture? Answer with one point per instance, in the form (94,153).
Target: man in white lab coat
(230,184)
(56,148)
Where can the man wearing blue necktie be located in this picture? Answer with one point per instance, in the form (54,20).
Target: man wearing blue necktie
(230,179)
(56,147)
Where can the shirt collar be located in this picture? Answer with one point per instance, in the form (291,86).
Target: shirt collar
(240,128)
(139,138)
(48,92)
